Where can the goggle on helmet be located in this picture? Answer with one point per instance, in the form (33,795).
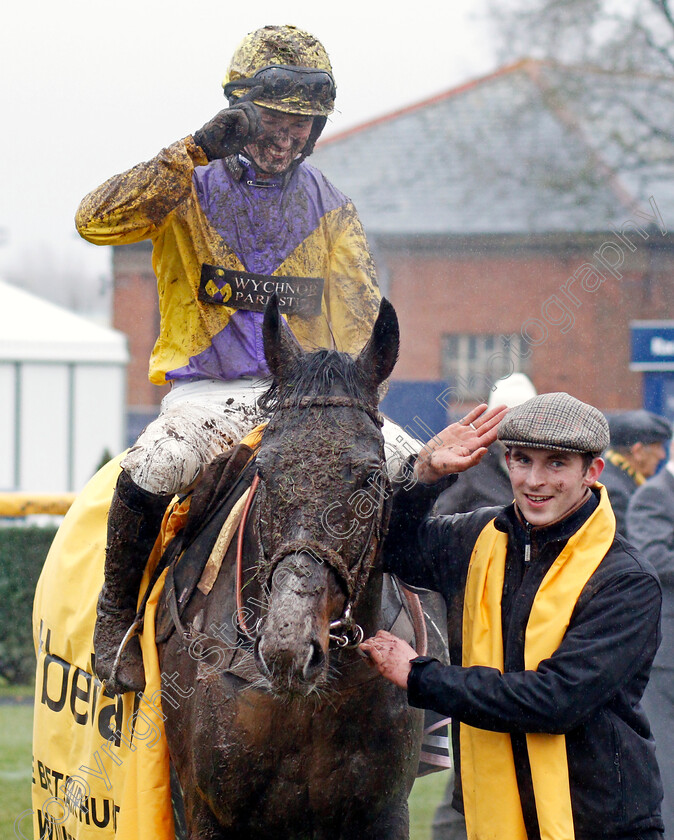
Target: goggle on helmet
(282,68)
(294,90)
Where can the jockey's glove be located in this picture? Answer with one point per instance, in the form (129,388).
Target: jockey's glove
(229,131)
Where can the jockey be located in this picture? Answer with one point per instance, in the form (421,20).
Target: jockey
(234,213)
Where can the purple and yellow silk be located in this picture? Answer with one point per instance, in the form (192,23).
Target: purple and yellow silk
(197,212)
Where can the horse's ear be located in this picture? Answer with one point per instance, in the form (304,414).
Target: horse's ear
(377,359)
(279,348)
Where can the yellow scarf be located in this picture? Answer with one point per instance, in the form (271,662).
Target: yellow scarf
(490,793)
(619,461)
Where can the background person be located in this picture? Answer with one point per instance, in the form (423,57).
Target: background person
(638,441)
(560,625)
(232,209)
(650,527)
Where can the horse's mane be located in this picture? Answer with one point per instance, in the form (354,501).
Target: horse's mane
(315,375)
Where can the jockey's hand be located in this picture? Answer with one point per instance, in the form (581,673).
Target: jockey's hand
(390,655)
(230,130)
(459,446)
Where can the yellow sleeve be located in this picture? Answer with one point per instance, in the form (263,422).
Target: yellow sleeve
(352,294)
(132,206)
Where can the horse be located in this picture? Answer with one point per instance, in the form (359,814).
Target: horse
(283,730)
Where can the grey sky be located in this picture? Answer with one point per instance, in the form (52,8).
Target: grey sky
(89,89)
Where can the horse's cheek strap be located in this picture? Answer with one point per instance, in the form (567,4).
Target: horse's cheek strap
(354,576)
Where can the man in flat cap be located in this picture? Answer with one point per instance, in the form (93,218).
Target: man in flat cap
(637,445)
(555,619)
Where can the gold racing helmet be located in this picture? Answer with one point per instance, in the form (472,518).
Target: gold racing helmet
(282,68)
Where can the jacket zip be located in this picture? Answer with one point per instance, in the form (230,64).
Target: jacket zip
(527,544)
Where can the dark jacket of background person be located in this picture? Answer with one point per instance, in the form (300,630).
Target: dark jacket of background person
(585,690)
(650,524)
(638,440)
(484,485)
(620,485)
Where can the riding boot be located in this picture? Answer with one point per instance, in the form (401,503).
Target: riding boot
(134,522)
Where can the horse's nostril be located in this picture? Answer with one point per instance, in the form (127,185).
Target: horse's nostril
(314,661)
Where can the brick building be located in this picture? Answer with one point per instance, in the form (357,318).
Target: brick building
(519,222)
(136,313)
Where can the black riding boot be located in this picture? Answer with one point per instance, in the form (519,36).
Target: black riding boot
(134,522)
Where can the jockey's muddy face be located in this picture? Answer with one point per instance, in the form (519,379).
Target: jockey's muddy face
(281,140)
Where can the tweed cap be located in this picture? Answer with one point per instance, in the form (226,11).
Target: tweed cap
(641,426)
(555,421)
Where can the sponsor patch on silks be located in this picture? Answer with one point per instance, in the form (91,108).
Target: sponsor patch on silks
(245,290)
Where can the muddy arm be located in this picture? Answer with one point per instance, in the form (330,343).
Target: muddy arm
(132,206)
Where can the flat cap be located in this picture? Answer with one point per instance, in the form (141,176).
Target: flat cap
(555,421)
(641,426)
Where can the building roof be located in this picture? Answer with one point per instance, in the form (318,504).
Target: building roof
(32,329)
(531,148)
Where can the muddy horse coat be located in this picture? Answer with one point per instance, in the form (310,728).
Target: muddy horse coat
(292,735)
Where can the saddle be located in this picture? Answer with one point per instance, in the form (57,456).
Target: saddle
(223,483)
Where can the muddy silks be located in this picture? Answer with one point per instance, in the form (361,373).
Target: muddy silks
(222,244)
(490,793)
(100,762)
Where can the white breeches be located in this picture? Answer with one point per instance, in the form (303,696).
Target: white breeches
(200,420)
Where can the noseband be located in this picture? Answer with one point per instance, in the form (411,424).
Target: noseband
(344,631)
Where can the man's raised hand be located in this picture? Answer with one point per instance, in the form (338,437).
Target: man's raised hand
(460,445)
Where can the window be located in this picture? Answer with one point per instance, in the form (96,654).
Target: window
(471,364)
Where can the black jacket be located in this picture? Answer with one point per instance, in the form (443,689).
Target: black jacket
(621,487)
(589,690)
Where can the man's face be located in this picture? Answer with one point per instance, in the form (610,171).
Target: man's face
(547,484)
(645,457)
(281,139)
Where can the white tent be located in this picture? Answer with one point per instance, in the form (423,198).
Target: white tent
(62,394)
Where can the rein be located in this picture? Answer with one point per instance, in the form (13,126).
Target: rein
(240,612)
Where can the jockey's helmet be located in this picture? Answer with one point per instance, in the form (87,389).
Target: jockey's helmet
(282,68)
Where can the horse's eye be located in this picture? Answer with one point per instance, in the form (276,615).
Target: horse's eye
(374,477)
(346,473)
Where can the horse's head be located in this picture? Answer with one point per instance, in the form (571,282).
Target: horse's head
(323,496)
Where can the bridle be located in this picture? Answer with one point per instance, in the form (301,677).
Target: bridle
(344,631)
(337,402)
